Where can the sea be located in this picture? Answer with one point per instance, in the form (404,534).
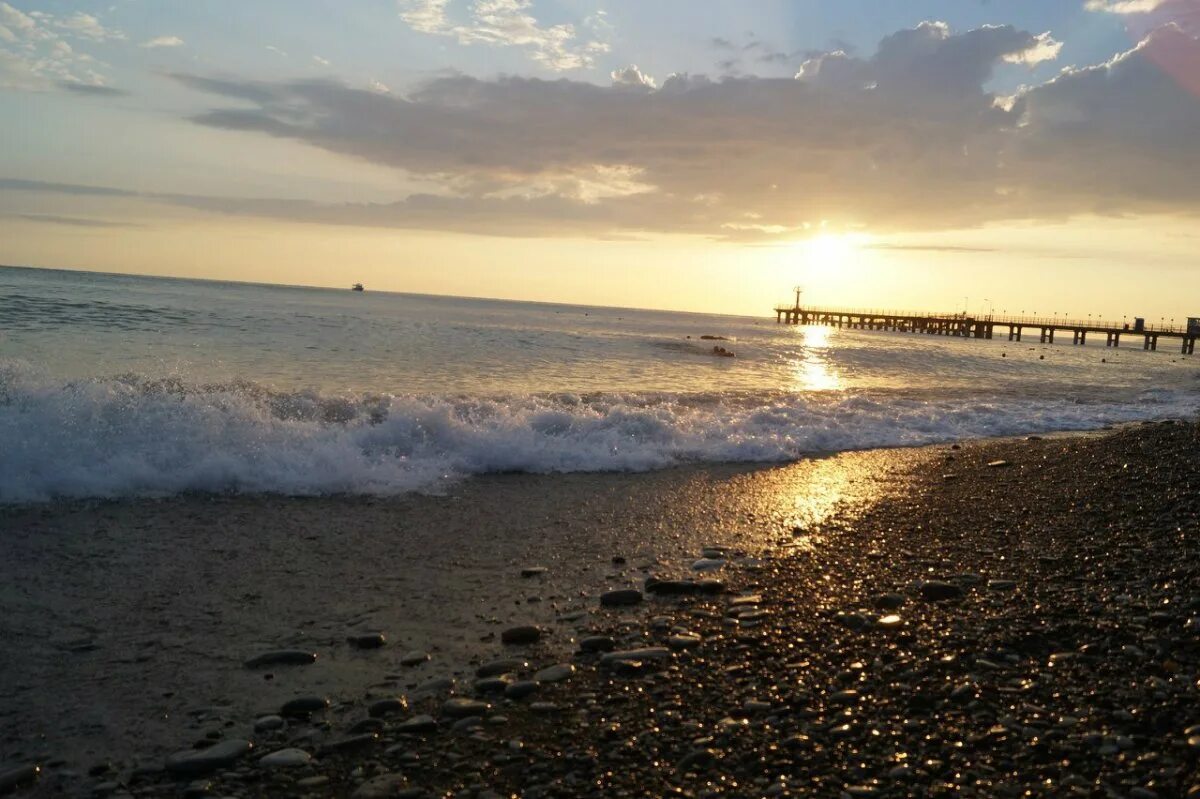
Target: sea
(116,386)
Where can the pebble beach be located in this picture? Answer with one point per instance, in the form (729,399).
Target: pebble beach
(996,618)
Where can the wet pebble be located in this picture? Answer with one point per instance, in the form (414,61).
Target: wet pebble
(519,636)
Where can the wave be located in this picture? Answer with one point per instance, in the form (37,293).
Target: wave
(135,436)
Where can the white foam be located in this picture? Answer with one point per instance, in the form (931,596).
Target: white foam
(136,437)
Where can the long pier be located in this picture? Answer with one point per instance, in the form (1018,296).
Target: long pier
(968,326)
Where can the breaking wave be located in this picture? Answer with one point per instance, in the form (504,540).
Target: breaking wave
(136,436)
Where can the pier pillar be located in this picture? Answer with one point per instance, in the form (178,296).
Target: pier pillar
(1019,329)
(1108,339)
(1051,335)
(1116,339)
(1042,340)
(1146,345)
(1082,337)
(1154,343)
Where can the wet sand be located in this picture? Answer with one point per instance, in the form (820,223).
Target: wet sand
(1063,659)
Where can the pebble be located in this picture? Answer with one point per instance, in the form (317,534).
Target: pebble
(646,653)
(268,723)
(388,706)
(414,658)
(621,597)
(350,743)
(520,690)
(597,643)
(285,758)
(303,706)
(708,564)
(461,707)
(503,666)
(552,674)
(518,636)
(383,786)
(16,777)
(416,725)
(282,657)
(684,641)
(196,763)
(533,571)
(1002,585)
(367,640)
(938,590)
(438,685)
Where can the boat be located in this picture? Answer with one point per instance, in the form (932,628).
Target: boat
(357,287)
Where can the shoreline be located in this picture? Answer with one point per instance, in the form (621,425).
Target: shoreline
(759,699)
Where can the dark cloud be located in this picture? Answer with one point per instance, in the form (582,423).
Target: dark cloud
(91,89)
(73,221)
(906,139)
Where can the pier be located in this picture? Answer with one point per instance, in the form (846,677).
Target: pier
(1016,327)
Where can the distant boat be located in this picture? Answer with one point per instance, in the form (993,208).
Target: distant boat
(357,287)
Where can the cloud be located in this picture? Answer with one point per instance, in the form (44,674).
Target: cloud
(508,23)
(36,56)
(73,221)
(1124,6)
(322,61)
(162,41)
(92,89)
(634,77)
(907,138)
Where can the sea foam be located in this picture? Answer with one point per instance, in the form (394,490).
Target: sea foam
(136,436)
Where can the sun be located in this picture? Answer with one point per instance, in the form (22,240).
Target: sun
(826,249)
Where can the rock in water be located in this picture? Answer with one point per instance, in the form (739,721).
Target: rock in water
(557,673)
(518,636)
(621,597)
(282,657)
(285,758)
(459,707)
(597,643)
(939,590)
(414,658)
(648,653)
(386,707)
(385,786)
(503,666)
(192,763)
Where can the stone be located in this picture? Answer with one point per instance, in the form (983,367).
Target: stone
(519,636)
(684,641)
(413,658)
(708,564)
(416,725)
(386,707)
(939,590)
(282,657)
(1002,585)
(350,743)
(492,685)
(269,723)
(597,643)
(543,707)
(366,725)
(698,760)
(520,690)
(646,653)
(461,707)
(552,674)
(890,601)
(285,758)
(533,571)
(367,640)
(383,786)
(659,587)
(16,777)
(503,666)
(303,706)
(197,763)
(438,685)
(621,597)
(997,464)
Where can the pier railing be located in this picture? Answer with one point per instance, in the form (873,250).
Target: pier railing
(1074,323)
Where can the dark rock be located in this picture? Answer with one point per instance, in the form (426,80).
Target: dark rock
(303,706)
(938,591)
(533,571)
(366,725)
(351,743)
(192,763)
(597,643)
(282,657)
(22,775)
(367,641)
(388,706)
(519,636)
(460,707)
(503,666)
(889,601)
(520,690)
(620,598)
(416,725)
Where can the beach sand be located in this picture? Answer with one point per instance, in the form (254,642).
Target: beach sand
(1064,659)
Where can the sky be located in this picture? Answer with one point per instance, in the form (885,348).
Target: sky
(1036,156)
